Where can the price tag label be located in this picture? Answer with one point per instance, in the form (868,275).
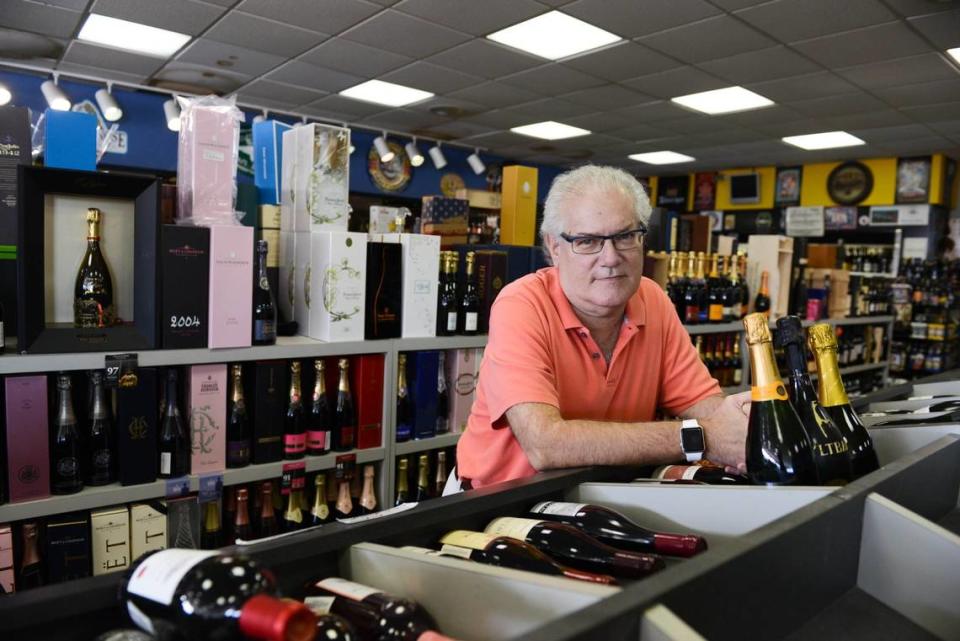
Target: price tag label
(293,477)
(177,487)
(120,370)
(345,466)
(211,487)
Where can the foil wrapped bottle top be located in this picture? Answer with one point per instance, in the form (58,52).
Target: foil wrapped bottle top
(789,331)
(758,331)
(822,337)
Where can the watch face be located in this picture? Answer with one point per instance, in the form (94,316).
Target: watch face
(692,439)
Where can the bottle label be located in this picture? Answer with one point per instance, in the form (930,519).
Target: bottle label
(512,527)
(558,507)
(316,440)
(158,575)
(294,443)
(692,314)
(451,321)
(470,322)
(770,392)
(319,604)
(737,376)
(468,539)
(715,312)
(238,451)
(347,589)
(166,458)
(67,467)
(141,619)
(264,330)
(676,472)
(347,436)
(456,550)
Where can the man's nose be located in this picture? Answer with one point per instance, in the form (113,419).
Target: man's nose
(609,255)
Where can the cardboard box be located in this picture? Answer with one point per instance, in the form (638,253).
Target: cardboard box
(138,404)
(422,377)
(288,178)
(518,213)
(491,273)
(207,165)
(264,389)
(208,418)
(231,286)
(110,530)
(185,286)
(440,209)
(444,229)
(820,255)
(16,150)
(148,530)
(286,281)
(368,394)
(383,316)
(70,141)
(28,453)
(481,198)
(421,282)
(7,580)
(322,196)
(463,370)
(267,159)
(839,303)
(773,254)
(67,547)
(334,285)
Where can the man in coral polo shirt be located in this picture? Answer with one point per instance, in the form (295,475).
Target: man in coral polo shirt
(582,355)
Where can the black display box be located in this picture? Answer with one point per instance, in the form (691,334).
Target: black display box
(33,333)
(265,389)
(384,291)
(67,547)
(185,286)
(137,427)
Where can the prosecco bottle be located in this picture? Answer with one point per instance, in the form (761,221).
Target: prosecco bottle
(199,595)
(319,419)
(404,404)
(830,451)
(264,303)
(375,615)
(66,474)
(293,516)
(101,457)
(777,451)
(581,550)
(93,290)
(344,435)
(510,552)
(833,398)
(320,512)
(294,434)
(238,422)
(211,538)
(403,484)
(617,530)
(174,438)
(469,305)
(423,479)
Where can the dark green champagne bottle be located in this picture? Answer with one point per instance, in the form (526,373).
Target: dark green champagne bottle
(93,291)
(778,450)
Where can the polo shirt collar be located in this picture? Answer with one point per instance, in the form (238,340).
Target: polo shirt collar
(635,313)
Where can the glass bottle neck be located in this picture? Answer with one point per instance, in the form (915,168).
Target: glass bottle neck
(763,370)
(831,390)
(65,415)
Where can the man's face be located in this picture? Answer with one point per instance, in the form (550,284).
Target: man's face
(597,284)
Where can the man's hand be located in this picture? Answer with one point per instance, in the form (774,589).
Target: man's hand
(726,432)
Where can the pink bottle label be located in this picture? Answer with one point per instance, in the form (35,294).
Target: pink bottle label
(294,443)
(316,441)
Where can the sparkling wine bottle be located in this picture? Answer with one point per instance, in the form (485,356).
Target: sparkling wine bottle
(319,420)
(93,290)
(423,478)
(344,436)
(238,422)
(174,438)
(294,433)
(469,305)
(617,530)
(242,530)
(761,304)
(267,524)
(293,516)
(404,405)
(101,460)
(575,547)
(443,397)
(368,497)
(197,595)
(344,504)
(320,512)
(211,538)
(440,478)
(66,474)
(264,303)
(403,484)
(706,474)
(509,552)
(31,570)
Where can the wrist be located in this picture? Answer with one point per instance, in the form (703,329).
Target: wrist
(693,441)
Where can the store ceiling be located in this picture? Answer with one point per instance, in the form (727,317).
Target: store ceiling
(875,68)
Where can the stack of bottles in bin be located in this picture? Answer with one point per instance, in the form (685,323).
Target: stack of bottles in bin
(927,315)
(708,288)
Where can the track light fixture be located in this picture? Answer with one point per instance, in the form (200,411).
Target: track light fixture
(55,96)
(171,111)
(413,153)
(436,155)
(5,95)
(383,149)
(475,163)
(108,104)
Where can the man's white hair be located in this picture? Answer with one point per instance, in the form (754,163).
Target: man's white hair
(591,179)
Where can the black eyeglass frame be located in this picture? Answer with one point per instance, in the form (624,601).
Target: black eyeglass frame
(638,232)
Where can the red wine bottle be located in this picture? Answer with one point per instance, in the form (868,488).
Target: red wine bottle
(619,531)
(509,552)
(331,627)
(697,474)
(197,595)
(581,550)
(376,616)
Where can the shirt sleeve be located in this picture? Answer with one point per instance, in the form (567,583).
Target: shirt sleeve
(517,363)
(684,379)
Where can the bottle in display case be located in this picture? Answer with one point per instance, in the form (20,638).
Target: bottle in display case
(319,420)
(294,433)
(238,422)
(101,460)
(174,440)
(320,512)
(344,504)
(93,304)
(66,472)
(423,478)
(374,614)
(404,413)
(443,396)
(469,305)
(293,514)
(403,483)
(368,497)
(31,570)
(242,530)
(264,303)
(344,435)
(761,304)
(211,538)
(267,523)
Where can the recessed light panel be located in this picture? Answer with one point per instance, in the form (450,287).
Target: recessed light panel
(723,101)
(385,93)
(554,35)
(825,140)
(661,157)
(550,130)
(131,36)
(954,53)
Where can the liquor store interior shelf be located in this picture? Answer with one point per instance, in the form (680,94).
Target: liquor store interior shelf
(115,494)
(287,347)
(737,326)
(856,369)
(425,444)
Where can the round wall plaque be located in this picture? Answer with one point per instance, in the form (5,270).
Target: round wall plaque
(393,175)
(850,183)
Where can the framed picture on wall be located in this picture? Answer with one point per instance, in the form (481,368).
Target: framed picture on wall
(788,186)
(705,191)
(913,180)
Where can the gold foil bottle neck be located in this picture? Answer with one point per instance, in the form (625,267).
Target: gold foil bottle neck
(822,336)
(757,328)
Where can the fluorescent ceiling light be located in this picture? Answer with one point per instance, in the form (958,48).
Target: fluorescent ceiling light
(554,35)
(661,157)
(385,93)
(723,101)
(825,140)
(132,36)
(954,53)
(550,130)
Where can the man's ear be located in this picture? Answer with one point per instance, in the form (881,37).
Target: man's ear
(552,245)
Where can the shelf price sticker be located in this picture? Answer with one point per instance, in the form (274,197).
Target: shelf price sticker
(177,487)
(345,466)
(293,477)
(211,487)
(120,370)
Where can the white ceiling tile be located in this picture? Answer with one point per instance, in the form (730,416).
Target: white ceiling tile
(815,85)
(708,39)
(550,109)
(456,129)
(402,120)
(485,58)
(227,56)
(82,53)
(190,78)
(406,35)
(344,107)
(477,18)
(495,94)
(600,121)
(837,105)
(283,92)
(871,44)
(354,58)
(98,72)
(792,20)
(607,97)
(933,113)
(910,8)
(622,61)
(35,17)
(892,73)
(553,79)
(757,66)
(870,119)
(943,29)
(324,16)
(653,112)
(924,93)
(264,35)
(182,16)
(302,74)
(676,82)
(432,78)
(630,19)
(892,134)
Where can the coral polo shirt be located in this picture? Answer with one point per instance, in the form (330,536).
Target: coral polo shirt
(540,352)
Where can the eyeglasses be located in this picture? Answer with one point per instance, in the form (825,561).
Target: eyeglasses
(622,241)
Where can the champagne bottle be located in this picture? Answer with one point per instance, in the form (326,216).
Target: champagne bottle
(706,474)
(294,434)
(264,303)
(267,524)
(293,515)
(440,478)
(102,462)
(368,497)
(580,550)
(469,306)
(715,295)
(319,421)
(229,514)
(212,537)
(737,363)
(447,298)
(830,450)
(320,511)
(404,406)
(344,504)
(799,294)
(778,450)
(238,423)
(443,397)
(833,398)
(66,476)
(374,614)
(703,291)
(242,530)
(509,552)
(194,595)
(344,436)
(403,487)
(174,439)
(761,304)
(31,570)
(93,290)
(423,479)
(691,294)
(617,530)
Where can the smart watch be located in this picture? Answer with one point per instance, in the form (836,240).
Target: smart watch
(692,441)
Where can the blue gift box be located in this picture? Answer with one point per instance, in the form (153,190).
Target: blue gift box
(268,156)
(70,140)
